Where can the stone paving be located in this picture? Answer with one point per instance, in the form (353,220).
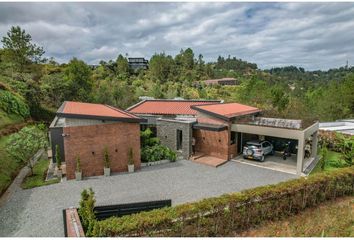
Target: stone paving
(37,212)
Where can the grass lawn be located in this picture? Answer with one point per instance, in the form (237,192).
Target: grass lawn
(333,161)
(8,119)
(331,219)
(8,167)
(39,175)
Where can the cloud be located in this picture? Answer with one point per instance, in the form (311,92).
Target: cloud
(311,35)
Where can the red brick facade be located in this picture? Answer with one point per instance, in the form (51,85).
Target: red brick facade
(89,142)
(217,144)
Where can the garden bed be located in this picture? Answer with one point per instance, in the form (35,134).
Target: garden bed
(147,164)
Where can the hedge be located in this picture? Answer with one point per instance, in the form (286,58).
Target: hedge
(230,213)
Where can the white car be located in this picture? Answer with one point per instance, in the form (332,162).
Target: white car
(257,150)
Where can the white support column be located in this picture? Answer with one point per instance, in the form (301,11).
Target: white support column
(300,156)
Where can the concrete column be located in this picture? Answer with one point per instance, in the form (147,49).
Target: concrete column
(314,144)
(300,155)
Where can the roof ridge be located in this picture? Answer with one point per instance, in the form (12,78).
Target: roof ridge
(120,110)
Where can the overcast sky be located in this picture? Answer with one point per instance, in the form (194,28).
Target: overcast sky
(312,35)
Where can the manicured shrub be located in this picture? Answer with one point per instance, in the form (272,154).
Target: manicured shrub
(57,156)
(106,158)
(78,164)
(85,211)
(222,216)
(130,157)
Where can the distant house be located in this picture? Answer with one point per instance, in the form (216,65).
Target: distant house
(138,63)
(222,81)
(345,126)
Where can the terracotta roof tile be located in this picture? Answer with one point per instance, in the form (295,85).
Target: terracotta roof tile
(227,110)
(168,107)
(92,109)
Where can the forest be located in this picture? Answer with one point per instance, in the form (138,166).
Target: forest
(32,86)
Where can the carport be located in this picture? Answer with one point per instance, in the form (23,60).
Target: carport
(272,128)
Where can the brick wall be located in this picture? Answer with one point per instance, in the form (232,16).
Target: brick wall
(212,143)
(217,144)
(89,142)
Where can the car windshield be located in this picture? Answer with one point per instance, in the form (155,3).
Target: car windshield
(253,145)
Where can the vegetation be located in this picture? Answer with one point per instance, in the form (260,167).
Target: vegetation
(222,216)
(23,145)
(152,150)
(78,164)
(39,175)
(284,92)
(57,156)
(9,166)
(106,158)
(130,157)
(330,219)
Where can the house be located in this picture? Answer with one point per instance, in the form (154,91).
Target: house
(344,126)
(172,109)
(138,63)
(222,81)
(85,130)
(220,130)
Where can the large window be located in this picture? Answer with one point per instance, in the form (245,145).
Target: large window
(179,139)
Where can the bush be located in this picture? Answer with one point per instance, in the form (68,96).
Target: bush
(13,104)
(85,211)
(157,153)
(106,158)
(221,216)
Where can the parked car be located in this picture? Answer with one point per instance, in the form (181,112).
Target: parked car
(257,150)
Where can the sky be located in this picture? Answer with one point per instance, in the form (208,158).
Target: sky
(310,35)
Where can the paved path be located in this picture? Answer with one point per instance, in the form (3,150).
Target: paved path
(16,183)
(38,212)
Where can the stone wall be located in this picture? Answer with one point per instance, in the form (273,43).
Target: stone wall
(167,132)
(89,143)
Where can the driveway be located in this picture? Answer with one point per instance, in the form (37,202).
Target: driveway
(37,212)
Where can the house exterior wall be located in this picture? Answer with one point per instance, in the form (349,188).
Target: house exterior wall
(89,142)
(167,133)
(217,144)
(56,138)
(212,143)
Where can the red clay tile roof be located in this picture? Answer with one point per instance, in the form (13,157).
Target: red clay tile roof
(168,107)
(93,110)
(227,110)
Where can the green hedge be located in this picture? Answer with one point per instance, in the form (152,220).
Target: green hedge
(222,216)
(157,153)
(13,104)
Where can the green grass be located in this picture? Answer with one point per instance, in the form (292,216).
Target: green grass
(9,119)
(39,175)
(331,219)
(8,167)
(333,161)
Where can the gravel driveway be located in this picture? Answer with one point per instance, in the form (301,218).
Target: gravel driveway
(37,212)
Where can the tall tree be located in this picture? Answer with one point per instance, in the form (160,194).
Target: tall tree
(19,48)
(122,65)
(79,81)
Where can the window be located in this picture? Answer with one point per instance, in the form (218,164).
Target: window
(179,139)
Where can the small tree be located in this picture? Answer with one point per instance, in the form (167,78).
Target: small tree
(130,156)
(324,154)
(22,145)
(57,156)
(78,164)
(106,158)
(347,148)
